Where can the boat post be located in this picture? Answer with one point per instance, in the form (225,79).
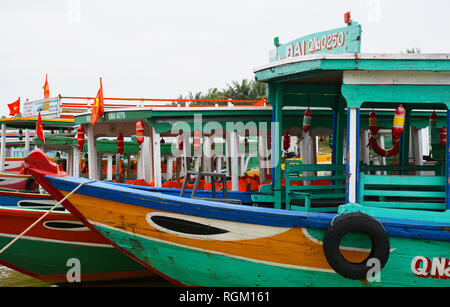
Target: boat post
(404,140)
(352,154)
(92,153)
(263,155)
(156,141)
(3,148)
(447,163)
(276,95)
(27,140)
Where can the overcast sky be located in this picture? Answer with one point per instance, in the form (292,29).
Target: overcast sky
(160,49)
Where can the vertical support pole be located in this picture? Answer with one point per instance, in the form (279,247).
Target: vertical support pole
(147,160)
(109,174)
(404,141)
(157,158)
(416,144)
(3,148)
(234,160)
(352,154)
(207,156)
(76,162)
(277,128)
(305,152)
(27,140)
(338,142)
(169,169)
(69,162)
(99,165)
(447,166)
(262,156)
(334,136)
(92,153)
(227,153)
(365,152)
(186,152)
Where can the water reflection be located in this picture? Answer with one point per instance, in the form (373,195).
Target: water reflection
(11,278)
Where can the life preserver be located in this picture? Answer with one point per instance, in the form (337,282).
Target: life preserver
(307,116)
(397,129)
(380,151)
(443,136)
(140,132)
(355,222)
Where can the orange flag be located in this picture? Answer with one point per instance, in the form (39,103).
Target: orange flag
(46,89)
(14,108)
(98,108)
(40,128)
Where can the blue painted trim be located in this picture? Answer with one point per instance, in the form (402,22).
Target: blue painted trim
(245,197)
(197,207)
(240,213)
(12,201)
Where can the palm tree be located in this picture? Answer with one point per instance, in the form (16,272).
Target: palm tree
(413,50)
(243,90)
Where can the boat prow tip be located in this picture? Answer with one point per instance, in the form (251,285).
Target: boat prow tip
(37,163)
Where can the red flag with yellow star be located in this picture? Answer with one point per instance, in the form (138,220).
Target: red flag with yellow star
(46,89)
(40,128)
(98,108)
(14,108)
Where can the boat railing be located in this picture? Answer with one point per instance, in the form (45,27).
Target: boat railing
(85,103)
(412,192)
(214,181)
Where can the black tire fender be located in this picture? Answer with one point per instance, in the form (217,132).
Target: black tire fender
(355,222)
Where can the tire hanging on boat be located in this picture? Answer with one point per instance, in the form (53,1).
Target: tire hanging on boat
(355,222)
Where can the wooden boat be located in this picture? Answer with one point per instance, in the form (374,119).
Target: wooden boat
(24,199)
(44,252)
(206,243)
(357,225)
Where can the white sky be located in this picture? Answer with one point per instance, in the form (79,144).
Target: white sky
(160,49)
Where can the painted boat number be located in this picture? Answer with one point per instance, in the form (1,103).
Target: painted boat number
(116,115)
(435,268)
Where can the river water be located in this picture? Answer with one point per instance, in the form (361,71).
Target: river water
(11,278)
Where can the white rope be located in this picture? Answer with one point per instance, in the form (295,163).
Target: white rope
(44,215)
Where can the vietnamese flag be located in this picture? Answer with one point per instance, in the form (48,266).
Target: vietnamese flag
(14,108)
(98,108)
(46,89)
(40,128)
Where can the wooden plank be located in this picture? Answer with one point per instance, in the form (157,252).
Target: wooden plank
(319,209)
(404,193)
(294,167)
(436,168)
(405,180)
(317,187)
(399,205)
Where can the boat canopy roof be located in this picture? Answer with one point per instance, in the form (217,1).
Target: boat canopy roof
(364,80)
(30,123)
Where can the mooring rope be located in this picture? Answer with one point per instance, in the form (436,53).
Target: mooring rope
(44,215)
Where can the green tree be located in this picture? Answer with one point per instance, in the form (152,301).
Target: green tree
(237,90)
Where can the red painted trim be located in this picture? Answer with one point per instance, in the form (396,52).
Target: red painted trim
(27,195)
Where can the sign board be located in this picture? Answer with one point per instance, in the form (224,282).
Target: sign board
(341,40)
(47,107)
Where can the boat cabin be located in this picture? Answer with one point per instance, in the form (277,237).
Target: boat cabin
(371,98)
